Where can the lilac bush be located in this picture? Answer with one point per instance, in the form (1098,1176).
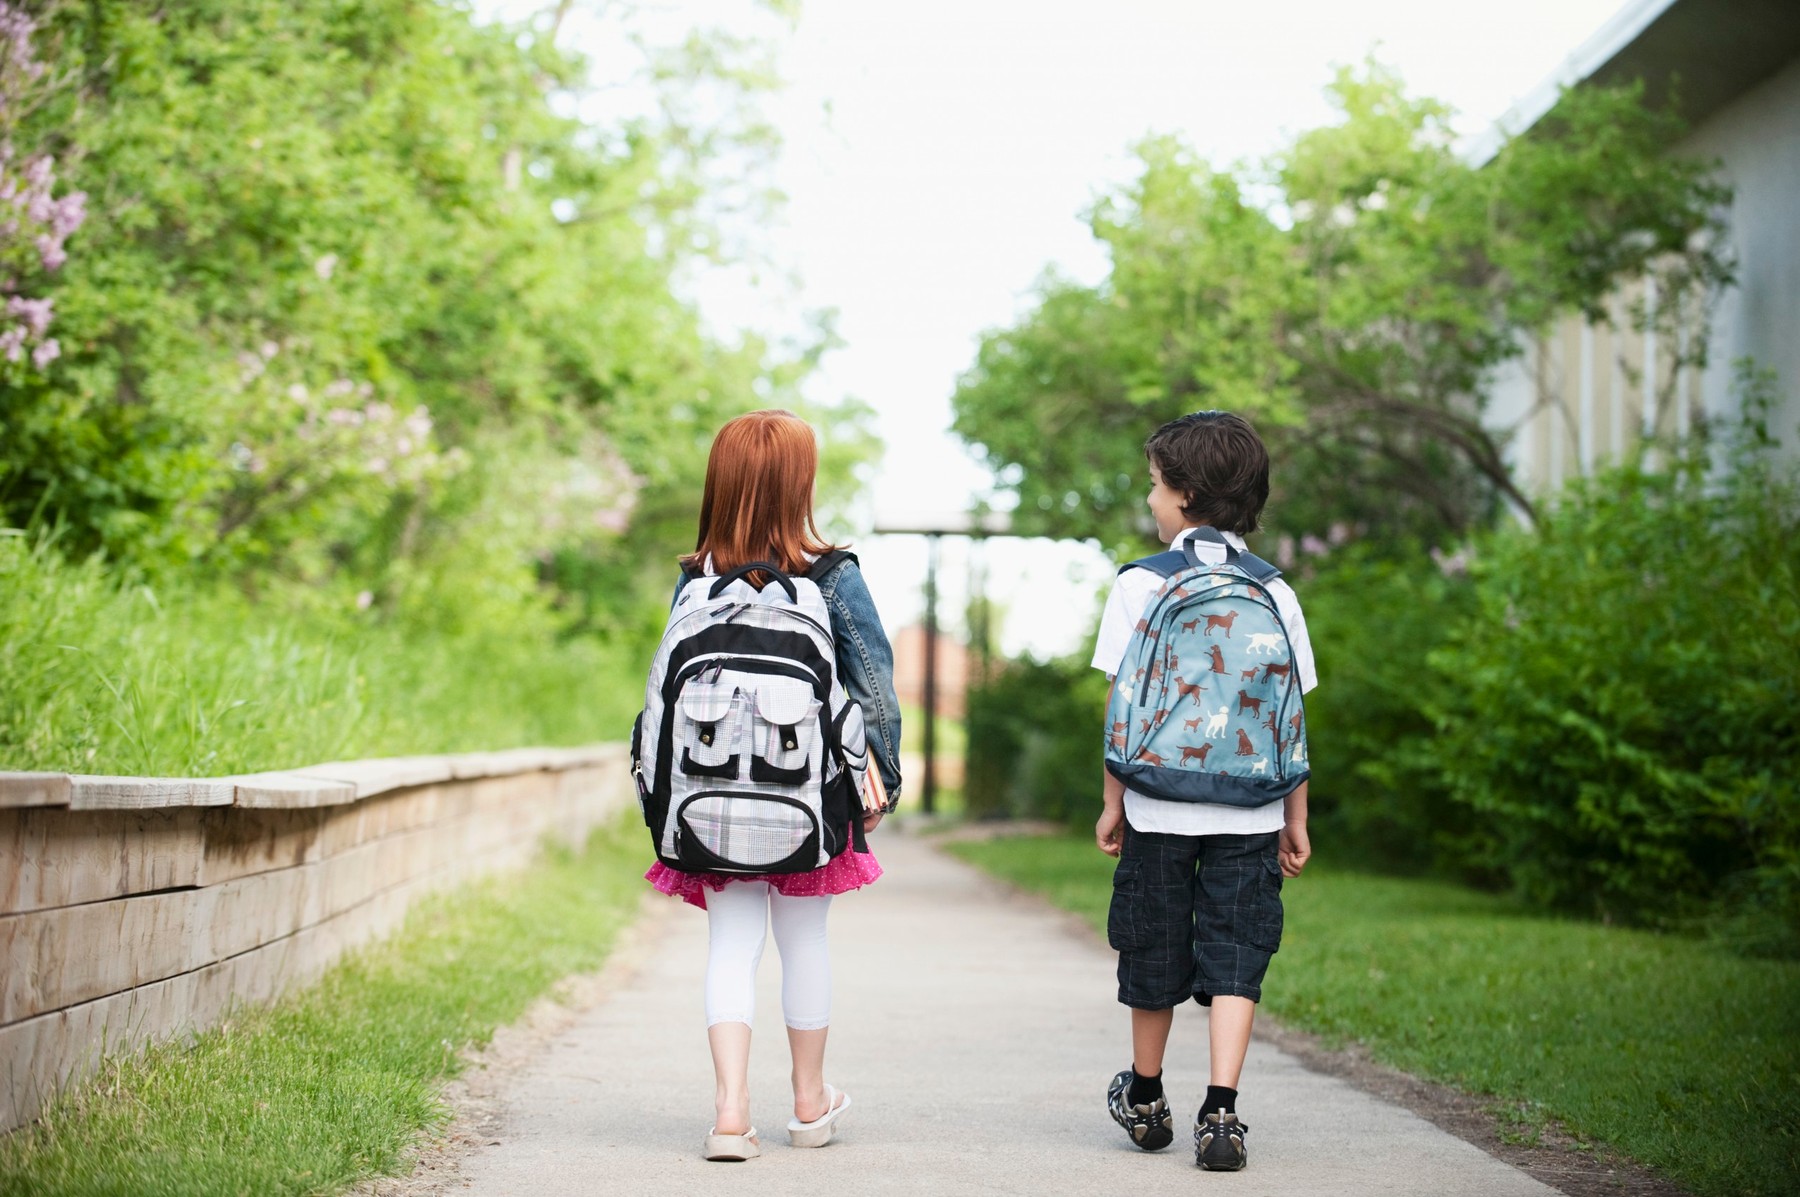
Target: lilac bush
(35,225)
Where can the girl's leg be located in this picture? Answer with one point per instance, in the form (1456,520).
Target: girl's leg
(805,994)
(737,921)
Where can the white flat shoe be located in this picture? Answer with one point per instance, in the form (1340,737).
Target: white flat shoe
(731,1147)
(818,1132)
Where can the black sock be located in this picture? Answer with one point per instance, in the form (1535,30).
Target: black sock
(1218,1097)
(1144,1089)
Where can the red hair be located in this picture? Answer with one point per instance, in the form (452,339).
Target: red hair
(758,500)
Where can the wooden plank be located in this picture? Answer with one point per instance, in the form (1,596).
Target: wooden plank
(588,755)
(242,841)
(51,856)
(386,814)
(34,789)
(388,773)
(495,764)
(287,790)
(96,792)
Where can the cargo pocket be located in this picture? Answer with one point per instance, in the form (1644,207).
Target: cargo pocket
(1264,931)
(1125,919)
(784,732)
(711,728)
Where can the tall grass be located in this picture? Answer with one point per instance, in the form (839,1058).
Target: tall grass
(197,679)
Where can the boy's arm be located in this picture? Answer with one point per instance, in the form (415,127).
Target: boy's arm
(1109,832)
(1294,849)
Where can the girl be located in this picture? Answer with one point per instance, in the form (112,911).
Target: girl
(757,506)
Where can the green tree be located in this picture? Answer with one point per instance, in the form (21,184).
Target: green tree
(1353,297)
(356,301)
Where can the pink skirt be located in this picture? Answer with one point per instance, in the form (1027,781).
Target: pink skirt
(846,871)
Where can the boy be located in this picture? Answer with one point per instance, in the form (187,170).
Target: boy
(1196,908)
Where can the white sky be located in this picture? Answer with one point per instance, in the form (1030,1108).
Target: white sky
(938,155)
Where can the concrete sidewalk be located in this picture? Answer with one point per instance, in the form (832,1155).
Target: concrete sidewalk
(976,1031)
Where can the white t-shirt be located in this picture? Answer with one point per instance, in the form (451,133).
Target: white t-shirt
(1131,595)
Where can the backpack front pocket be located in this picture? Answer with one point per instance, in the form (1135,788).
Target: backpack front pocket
(711,729)
(746,833)
(784,732)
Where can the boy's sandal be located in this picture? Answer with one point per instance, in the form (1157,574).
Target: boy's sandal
(818,1132)
(731,1147)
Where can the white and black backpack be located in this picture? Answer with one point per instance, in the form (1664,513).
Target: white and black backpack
(749,756)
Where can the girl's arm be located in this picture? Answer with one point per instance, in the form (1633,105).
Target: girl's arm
(865,662)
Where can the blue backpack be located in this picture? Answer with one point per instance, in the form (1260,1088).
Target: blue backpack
(1206,705)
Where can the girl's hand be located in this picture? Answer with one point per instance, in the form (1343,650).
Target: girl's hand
(871,821)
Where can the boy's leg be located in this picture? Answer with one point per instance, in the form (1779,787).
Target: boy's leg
(1149,1039)
(1238,921)
(1229,1033)
(1151,924)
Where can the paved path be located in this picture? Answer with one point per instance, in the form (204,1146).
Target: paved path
(976,1031)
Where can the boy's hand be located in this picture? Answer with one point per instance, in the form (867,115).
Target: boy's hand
(1293,849)
(1109,831)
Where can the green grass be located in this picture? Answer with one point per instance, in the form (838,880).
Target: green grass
(333,1084)
(951,738)
(1672,1050)
(199,680)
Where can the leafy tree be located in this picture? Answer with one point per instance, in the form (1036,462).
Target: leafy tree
(356,301)
(1353,297)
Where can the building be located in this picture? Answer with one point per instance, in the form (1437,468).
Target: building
(909,672)
(1584,395)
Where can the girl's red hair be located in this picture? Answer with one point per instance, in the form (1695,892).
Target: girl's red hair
(758,500)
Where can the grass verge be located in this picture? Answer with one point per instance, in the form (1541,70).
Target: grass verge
(194,680)
(1672,1050)
(333,1084)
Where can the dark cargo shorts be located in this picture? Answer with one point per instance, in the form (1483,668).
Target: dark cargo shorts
(1194,916)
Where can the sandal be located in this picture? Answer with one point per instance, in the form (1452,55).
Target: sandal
(818,1132)
(731,1147)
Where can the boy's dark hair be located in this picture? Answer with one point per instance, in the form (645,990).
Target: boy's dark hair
(1218,461)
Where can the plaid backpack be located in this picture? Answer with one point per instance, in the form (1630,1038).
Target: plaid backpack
(1206,705)
(749,756)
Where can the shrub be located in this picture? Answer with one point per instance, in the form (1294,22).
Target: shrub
(1622,714)
(1035,742)
(1373,619)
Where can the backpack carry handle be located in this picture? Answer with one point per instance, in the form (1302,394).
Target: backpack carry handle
(1214,536)
(773,570)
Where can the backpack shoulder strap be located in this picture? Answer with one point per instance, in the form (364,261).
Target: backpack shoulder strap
(1163,565)
(820,569)
(1257,568)
(1168,564)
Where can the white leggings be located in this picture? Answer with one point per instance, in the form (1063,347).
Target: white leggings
(737,918)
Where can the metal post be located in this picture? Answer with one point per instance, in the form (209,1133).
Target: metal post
(929,802)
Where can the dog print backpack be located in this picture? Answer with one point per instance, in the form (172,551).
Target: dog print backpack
(749,756)
(1206,705)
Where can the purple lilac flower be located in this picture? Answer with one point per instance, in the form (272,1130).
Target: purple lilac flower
(34,312)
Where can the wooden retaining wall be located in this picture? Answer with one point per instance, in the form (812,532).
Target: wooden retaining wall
(136,909)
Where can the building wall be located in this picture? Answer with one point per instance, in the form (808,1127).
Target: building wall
(1758,140)
(1581,396)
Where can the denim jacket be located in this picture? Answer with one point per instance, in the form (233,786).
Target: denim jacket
(865,664)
